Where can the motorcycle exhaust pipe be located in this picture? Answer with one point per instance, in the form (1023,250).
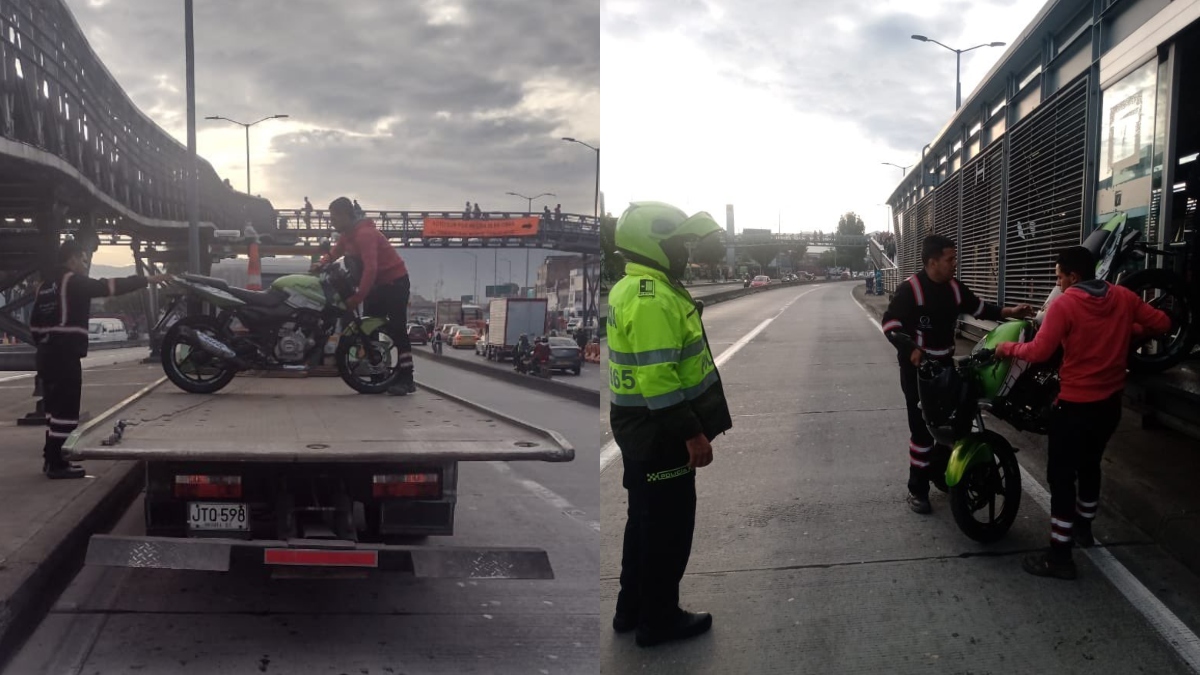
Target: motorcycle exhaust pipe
(209,344)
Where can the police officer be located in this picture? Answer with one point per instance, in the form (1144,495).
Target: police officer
(59,323)
(667,404)
(921,322)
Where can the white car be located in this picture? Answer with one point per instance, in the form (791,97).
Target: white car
(107,330)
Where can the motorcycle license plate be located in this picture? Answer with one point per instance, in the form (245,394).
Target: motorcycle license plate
(218,516)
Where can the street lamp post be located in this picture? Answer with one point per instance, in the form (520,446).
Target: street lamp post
(957,64)
(596,215)
(247,127)
(903,169)
(193,180)
(529,200)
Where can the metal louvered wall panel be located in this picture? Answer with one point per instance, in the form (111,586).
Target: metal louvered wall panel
(979,250)
(945,207)
(911,260)
(921,215)
(1045,192)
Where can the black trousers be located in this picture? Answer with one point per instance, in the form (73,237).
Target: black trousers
(1078,435)
(62,387)
(921,447)
(391,300)
(658,535)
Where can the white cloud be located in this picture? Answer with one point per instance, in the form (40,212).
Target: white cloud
(784,109)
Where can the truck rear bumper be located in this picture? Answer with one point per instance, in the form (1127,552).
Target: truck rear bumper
(220,555)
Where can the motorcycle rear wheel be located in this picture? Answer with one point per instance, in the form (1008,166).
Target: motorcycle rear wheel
(182,362)
(372,368)
(977,491)
(1167,292)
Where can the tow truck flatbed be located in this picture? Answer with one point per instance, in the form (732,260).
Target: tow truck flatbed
(312,420)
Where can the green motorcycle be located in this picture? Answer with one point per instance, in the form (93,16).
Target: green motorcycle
(283,328)
(980,472)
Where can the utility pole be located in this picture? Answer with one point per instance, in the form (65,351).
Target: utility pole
(193,178)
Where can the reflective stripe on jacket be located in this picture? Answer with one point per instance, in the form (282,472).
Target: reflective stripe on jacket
(664,384)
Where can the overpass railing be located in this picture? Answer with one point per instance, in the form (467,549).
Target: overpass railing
(579,231)
(56,96)
(879,257)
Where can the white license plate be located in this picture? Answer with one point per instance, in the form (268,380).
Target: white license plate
(218,516)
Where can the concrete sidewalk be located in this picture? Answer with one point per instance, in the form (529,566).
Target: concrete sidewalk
(1150,475)
(45,524)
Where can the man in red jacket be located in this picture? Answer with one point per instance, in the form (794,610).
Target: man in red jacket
(1094,322)
(384,287)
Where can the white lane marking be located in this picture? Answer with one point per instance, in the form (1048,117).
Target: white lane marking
(869,315)
(547,495)
(610,451)
(1163,620)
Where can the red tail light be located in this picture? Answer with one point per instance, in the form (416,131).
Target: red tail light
(208,487)
(407,485)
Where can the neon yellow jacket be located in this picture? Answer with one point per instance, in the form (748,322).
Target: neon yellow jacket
(664,384)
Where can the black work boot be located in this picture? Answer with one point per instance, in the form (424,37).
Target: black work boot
(1050,564)
(65,470)
(402,388)
(1082,533)
(623,622)
(919,504)
(682,626)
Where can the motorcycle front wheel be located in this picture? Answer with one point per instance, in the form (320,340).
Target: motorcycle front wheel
(368,362)
(189,367)
(986,499)
(1164,291)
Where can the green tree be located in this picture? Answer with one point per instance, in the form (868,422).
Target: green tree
(850,224)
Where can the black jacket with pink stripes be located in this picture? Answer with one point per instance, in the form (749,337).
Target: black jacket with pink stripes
(62,306)
(924,315)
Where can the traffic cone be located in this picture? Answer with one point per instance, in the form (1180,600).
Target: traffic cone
(254,272)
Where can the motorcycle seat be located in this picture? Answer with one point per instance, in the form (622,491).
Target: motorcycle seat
(257,298)
(211,281)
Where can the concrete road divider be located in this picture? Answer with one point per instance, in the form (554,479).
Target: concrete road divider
(550,386)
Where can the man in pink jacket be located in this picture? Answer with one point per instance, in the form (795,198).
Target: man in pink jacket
(384,287)
(1094,322)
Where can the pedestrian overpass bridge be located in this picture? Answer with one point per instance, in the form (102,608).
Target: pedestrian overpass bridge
(77,157)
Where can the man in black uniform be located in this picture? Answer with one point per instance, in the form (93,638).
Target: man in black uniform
(59,323)
(921,321)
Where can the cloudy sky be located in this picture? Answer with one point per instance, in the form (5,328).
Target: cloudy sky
(784,108)
(403,104)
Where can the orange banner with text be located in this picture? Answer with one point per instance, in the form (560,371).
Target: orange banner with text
(454,227)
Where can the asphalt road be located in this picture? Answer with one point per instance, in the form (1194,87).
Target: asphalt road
(158,621)
(811,562)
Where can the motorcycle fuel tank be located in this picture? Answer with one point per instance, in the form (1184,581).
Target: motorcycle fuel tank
(303,291)
(997,379)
